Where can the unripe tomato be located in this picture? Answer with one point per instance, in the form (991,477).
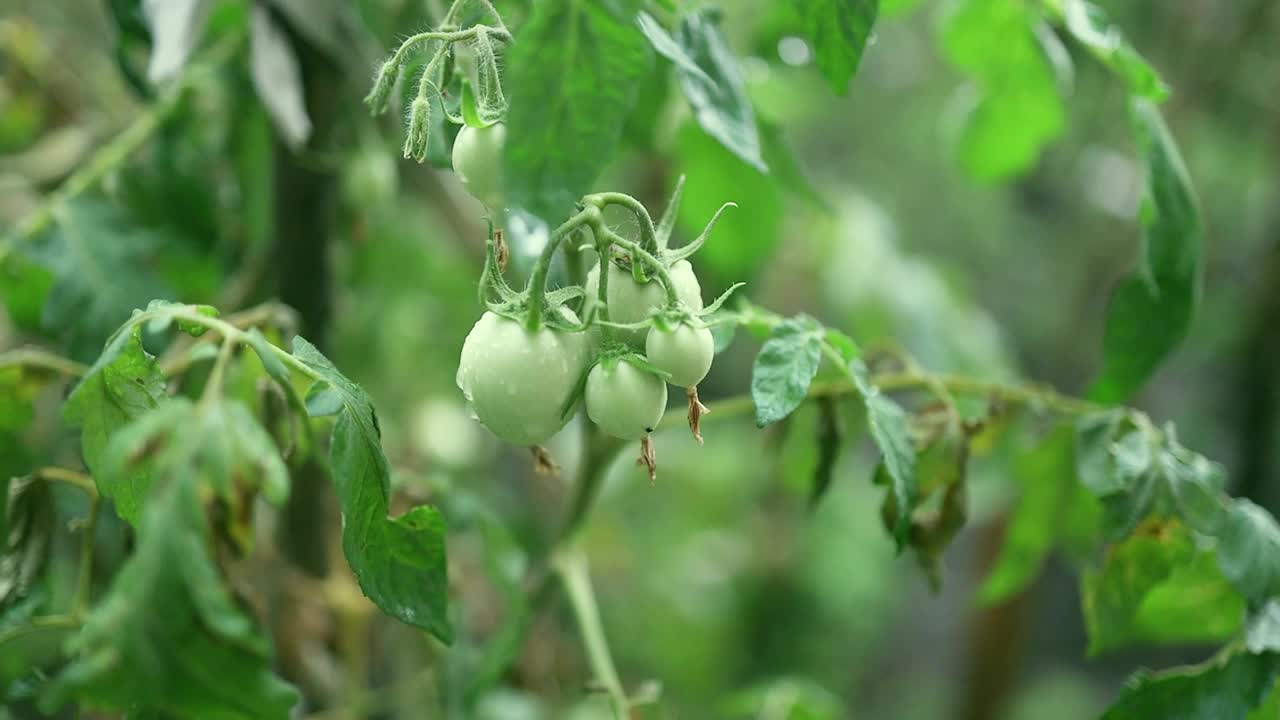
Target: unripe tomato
(477,160)
(624,400)
(518,381)
(685,352)
(630,301)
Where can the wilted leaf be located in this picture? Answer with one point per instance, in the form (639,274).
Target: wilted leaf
(1226,687)
(1156,587)
(201,656)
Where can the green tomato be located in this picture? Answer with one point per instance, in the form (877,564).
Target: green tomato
(630,301)
(477,161)
(686,353)
(624,400)
(518,381)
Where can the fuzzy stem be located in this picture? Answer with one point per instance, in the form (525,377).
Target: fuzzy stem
(538,281)
(664,277)
(43,359)
(571,565)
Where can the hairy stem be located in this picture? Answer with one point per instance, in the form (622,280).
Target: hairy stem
(43,359)
(571,566)
(538,280)
(69,477)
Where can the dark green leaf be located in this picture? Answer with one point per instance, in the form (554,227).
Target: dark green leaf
(722,108)
(1089,25)
(573,72)
(98,259)
(838,30)
(888,423)
(1018,110)
(1227,687)
(830,434)
(712,82)
(1156,587)
(400,563)
(201,656)
(1151,309)
(784,368)
(124,384)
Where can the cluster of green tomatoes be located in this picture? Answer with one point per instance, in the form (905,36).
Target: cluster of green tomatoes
(615,342)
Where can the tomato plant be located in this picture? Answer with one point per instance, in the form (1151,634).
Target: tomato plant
(311,407)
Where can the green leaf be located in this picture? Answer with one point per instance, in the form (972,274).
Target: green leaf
(1090,25)
(573,72)
(1226,687)
(784,368)
(99,260)
(711,81)
(400,563)
(745,236)
(1157,587)
(838,31)
(1262,634)
(125,383)
(888,423)
(1151,310)
(1249,550)
(1050,500)
(1018,110)
(201,655)
(224,439)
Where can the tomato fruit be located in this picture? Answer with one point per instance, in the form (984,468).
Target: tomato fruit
(477,160)
(630,301)
(518,381)
(685,352)
(624,400)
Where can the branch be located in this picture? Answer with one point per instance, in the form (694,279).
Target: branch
(118,150)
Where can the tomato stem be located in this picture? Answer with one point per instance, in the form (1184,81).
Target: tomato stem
(589,216)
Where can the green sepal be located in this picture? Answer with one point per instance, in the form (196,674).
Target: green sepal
(685,251)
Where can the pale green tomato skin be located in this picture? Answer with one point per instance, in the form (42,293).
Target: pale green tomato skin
(477,161)
(517,381)
(630,301)
(686,353)
(625,401)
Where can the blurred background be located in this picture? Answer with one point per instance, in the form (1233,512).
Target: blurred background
(718,582)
